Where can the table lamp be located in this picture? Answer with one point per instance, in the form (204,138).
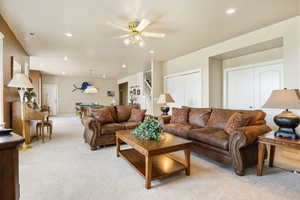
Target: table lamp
(22,82)
(164,99)
(287,121)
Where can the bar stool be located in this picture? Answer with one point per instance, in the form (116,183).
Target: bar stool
(40,126)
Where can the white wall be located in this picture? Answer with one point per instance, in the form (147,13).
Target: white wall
(157,86)
(289,30)
(67,98)
(259,57)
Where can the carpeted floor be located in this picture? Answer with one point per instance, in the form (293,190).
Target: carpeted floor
(65,169)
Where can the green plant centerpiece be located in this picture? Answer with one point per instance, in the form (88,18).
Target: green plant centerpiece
(150,129)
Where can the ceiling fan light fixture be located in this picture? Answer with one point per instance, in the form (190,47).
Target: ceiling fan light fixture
(142,43)
(127,41)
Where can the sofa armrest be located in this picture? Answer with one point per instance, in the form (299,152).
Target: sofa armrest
(249,134)
(164,119)
(240,138)
(91,123)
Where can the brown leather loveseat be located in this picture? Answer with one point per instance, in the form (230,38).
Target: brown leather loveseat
(101,124)
(227,136)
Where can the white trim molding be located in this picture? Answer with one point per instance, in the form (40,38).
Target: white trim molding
(1,36)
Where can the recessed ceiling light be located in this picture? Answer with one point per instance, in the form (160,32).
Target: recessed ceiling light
(152,51)
(66,58)
(68,34)
(124,66)
(63,73)
(230,11)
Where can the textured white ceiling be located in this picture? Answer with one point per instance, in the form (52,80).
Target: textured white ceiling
(189,25)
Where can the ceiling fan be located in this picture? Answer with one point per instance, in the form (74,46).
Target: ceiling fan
(136,32)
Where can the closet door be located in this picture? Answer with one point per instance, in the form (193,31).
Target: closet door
(176,87)
(185,89)
(239,89)
(193,90)
(267,79)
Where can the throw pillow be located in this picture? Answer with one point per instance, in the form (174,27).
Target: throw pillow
(103,116)
(237,120)
(179,115)
(123,113)
(199,116)
(137,115)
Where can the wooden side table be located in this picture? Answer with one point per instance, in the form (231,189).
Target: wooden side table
(9,166)
(270,139)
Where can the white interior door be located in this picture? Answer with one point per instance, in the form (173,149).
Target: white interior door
(50,97)
(185,89)
(193,92)
(267,79)
(252,86)
(240,89)
(176,87)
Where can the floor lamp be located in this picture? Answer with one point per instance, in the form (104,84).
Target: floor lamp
(22,82)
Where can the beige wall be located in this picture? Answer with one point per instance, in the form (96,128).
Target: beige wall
(263,56)
(11,47)
(67,98)
(288,30)
(157,86)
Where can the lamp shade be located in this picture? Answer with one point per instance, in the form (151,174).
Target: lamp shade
(283,99)
(165,98)
(20,80)
(91,90)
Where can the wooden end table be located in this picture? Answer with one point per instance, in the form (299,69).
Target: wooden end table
(270,139)
(150,158)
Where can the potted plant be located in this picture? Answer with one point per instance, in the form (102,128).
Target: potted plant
(150,129)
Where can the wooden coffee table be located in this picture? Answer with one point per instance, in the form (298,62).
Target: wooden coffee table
(150,158)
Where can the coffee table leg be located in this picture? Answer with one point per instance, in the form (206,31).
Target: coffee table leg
(272,154)
(148,172)
(118,146)
(187,154)
(261,159)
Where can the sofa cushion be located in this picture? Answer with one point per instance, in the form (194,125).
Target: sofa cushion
(123,113)
(237,120)
(108,129)
(103,115)
(179,115)
(113,112)
(199,116)
(180,130)
(219,118)
(137,115)
(256,116)
(212,136)
(130,125)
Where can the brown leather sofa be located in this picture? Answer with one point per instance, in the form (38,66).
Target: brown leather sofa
(205,127)
(101,124)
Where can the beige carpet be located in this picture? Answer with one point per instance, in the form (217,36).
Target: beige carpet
(65,169)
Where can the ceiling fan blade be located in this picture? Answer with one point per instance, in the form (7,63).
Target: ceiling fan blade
(142,25)
(153,35)
(118,26)
(122,36)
